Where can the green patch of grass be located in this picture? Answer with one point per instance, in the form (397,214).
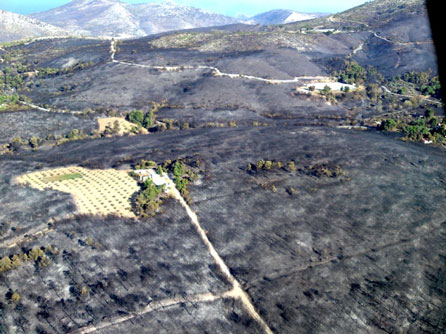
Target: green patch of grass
(64,177)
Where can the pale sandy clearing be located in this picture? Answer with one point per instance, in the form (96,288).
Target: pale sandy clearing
(97,192)
(336,86)
(124,125)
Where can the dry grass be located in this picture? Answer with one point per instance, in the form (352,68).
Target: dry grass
(95,192)
(125,126)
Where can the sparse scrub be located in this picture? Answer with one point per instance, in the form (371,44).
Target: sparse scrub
(49,72)
(318,170)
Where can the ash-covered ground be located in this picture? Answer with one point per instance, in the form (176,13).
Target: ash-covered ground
(366,248)
(350,240)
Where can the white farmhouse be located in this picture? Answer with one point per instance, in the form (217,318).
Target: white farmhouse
(145,174)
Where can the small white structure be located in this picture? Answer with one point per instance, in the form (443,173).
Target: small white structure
(145,174)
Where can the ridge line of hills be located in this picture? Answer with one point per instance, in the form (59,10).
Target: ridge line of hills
(113,18)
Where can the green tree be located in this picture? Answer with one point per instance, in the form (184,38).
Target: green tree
(136,116)
(326,91)
(388,124)
(149,119)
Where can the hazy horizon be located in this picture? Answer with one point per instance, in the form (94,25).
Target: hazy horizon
(229,7)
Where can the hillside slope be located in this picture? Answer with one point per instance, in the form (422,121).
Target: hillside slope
(14,27)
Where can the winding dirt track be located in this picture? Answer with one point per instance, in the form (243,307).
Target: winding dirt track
(49,110)
(236,292)
(216,72)
(156,305)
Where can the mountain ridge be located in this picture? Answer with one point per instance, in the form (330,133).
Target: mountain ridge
(15,27)
(114,18)
(283,16)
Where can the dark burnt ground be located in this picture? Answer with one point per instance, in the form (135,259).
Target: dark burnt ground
(124,87)
(222,316)
(359,253)
(108,267)
(26,124)
(57,52)
(397,59)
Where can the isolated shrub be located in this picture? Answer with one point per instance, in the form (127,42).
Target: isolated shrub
(15,144)
(34,142)
(74,134)
(291,166)
(326,90)
(15,298)
(373,91)
(268,165)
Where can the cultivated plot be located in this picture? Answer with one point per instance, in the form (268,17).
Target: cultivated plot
(95,192)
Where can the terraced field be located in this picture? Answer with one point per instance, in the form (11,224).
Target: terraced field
(95,192)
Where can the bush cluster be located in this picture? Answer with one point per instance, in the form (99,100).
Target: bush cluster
(350,72)
(36,255)
(427,128)
(149,199)
(183,172)
(425,82)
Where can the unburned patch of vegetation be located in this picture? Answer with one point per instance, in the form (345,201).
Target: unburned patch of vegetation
(427,129)
(182,171)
